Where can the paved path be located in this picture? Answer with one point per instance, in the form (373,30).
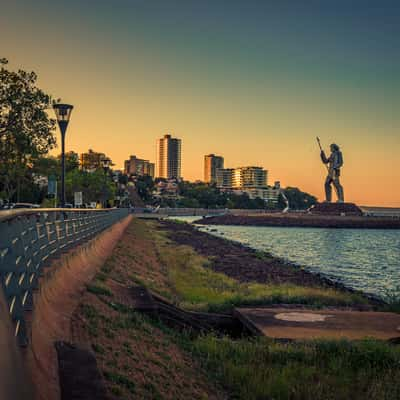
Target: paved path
(297,323)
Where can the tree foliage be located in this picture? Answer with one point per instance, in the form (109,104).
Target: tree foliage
(26,131)
(95,186)
(51,165)
(144,187)
(298,200)
(209,196)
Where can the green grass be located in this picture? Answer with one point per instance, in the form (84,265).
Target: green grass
(98,290)
(392,299)
(197,287)
(262,369)
(120,380)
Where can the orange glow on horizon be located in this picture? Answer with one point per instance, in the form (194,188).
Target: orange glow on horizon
(129,88)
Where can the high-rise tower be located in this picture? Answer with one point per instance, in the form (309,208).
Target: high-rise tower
(212,163)
(168,157)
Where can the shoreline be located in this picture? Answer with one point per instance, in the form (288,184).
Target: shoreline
(249,264)
(139,354)
(337,283)
(303,221)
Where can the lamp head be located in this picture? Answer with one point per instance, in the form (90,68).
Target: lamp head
(63,114)
(63,111)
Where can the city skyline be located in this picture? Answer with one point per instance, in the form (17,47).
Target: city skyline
(226,78)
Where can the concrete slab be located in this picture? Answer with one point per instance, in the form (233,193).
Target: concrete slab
(295,323)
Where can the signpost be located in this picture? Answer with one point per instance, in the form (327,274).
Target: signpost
(78,199)
(52,188)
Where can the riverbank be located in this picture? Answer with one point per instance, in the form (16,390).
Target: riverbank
(245,264)
(304,220)
(140,357)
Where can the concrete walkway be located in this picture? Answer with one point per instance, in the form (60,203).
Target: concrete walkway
(300,323)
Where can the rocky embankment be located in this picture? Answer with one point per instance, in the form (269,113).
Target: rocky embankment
(304,221)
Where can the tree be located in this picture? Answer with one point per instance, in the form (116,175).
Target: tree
(71,161)
(144,187)
(123,179)
(46,167)
(209,196)
(298,200)
(51,165)
(26,131)
(95,186)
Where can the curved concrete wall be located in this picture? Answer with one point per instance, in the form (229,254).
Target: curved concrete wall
(46,257)
(59,295)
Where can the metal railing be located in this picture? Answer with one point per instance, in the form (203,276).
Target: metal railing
(30,239)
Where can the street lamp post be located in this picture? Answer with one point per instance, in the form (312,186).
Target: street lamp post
(105,162)
(63,114)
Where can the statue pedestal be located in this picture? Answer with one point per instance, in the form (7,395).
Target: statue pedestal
(342,209)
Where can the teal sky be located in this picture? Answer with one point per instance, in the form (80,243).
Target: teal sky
(255,81)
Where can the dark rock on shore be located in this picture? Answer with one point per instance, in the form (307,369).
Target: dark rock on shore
(338,209)
(304,221)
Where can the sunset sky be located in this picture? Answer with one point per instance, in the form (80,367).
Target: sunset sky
(253,81)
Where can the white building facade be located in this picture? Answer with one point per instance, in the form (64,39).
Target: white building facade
(250,180)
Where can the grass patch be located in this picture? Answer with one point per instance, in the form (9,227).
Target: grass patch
(392,299)
(152,391)
(98,348)
(101,277)
(393,307)
(195,286)
(262,369)
(208,290)
(120,380)
(98,290)
(89,312)
(179,221)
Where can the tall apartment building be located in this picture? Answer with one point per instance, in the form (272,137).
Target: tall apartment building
(250,180)
(137,166)
(168,157)
(249,177)
(242,177)
(91,161)
(212,163)
(224,178)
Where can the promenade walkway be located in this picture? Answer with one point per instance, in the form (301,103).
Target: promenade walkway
(306,324)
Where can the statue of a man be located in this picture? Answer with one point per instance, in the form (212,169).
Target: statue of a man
(335,162)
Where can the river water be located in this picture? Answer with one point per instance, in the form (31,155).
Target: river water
(364,259)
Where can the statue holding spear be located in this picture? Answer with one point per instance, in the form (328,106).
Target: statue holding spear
(333,164)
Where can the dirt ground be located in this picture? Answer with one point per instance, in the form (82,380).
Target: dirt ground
(138,358)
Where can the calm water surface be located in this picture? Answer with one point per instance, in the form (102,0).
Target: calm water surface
(365,259)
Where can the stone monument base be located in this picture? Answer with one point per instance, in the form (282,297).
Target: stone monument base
(342,209)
